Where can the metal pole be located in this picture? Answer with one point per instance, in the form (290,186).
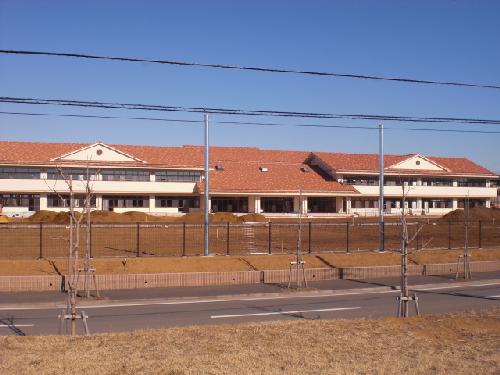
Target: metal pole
(205,227)
(381,189)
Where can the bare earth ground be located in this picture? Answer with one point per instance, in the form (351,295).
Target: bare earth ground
(465,343)
(236,263)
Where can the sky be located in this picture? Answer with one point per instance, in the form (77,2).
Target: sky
(433,40)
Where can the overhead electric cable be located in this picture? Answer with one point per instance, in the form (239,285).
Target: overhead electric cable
(250,68)
(241,112)
(354,127)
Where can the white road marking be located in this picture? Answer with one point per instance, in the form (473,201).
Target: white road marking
(282,312)
(15,325)
(456,286)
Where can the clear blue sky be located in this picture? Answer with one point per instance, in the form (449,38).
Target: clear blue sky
(436,40)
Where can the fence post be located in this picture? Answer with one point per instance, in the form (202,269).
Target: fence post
(40,255)
(137,240)
(269,239)
(480,240)
(309,237)
(347,236)
(90,239)
(183,239)
(449,235)
(227,239)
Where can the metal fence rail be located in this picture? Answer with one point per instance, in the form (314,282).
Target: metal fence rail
(33,241)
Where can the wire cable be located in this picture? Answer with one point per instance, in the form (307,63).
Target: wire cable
(252,123)
(241,112)
(250,68)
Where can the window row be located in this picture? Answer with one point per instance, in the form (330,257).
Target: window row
(82,174)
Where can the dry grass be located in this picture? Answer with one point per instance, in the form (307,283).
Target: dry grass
(236,263)
(465,343)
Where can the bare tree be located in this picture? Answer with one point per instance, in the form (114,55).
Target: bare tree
(73,264)
(405,298)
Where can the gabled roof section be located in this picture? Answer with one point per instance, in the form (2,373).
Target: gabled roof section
(369,163)
(417,162)
(98,152)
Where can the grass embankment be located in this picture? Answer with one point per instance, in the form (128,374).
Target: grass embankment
(236,263)
(465,343)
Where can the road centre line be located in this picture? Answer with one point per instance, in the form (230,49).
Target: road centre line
(15,325)
(282,312)
(454,286)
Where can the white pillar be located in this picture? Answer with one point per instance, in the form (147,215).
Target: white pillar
(98,202)
(488,203)
(305,208)
(256,203)
(43,201)
(454,203)
(296,204)
(152,203)
(348,205)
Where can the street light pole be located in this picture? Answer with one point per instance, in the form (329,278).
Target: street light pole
(381,189)
(205,226)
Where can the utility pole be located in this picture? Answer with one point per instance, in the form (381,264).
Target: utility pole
(381,189)
(205,226)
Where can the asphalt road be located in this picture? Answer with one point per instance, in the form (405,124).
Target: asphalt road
(367,299)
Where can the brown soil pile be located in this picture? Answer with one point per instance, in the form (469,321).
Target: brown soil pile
(219,217)
(51,217)
(254,218)
(475,214)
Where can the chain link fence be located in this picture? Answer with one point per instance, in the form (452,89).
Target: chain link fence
(32,241)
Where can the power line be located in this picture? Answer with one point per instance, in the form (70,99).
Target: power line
(352,127)
(250,68)
(241,112)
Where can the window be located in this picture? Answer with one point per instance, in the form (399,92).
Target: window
(438,203)
(183,203)
(76,174)
(20,173)
(124,175)
(133,201)
(230,204)
(277,204)
(361,180)
(321,204)
(437,182)
(31,201)
(177,176)
(78,201)
(465,182)
(462,203)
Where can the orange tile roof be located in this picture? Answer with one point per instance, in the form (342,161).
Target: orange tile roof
(369,163)
(246,177)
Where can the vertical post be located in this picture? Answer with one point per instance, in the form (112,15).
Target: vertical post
(309,237)
(207,186)
(480,240)
(227,239)
(269,239)
(90,241)
(449,235)
(347,236)
(183,239)
(381,246)
(40,256)
(137,239)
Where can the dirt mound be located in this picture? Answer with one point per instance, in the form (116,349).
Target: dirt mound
(42,217)
(475,214)
(219,217)
(254,218)
(136,216)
